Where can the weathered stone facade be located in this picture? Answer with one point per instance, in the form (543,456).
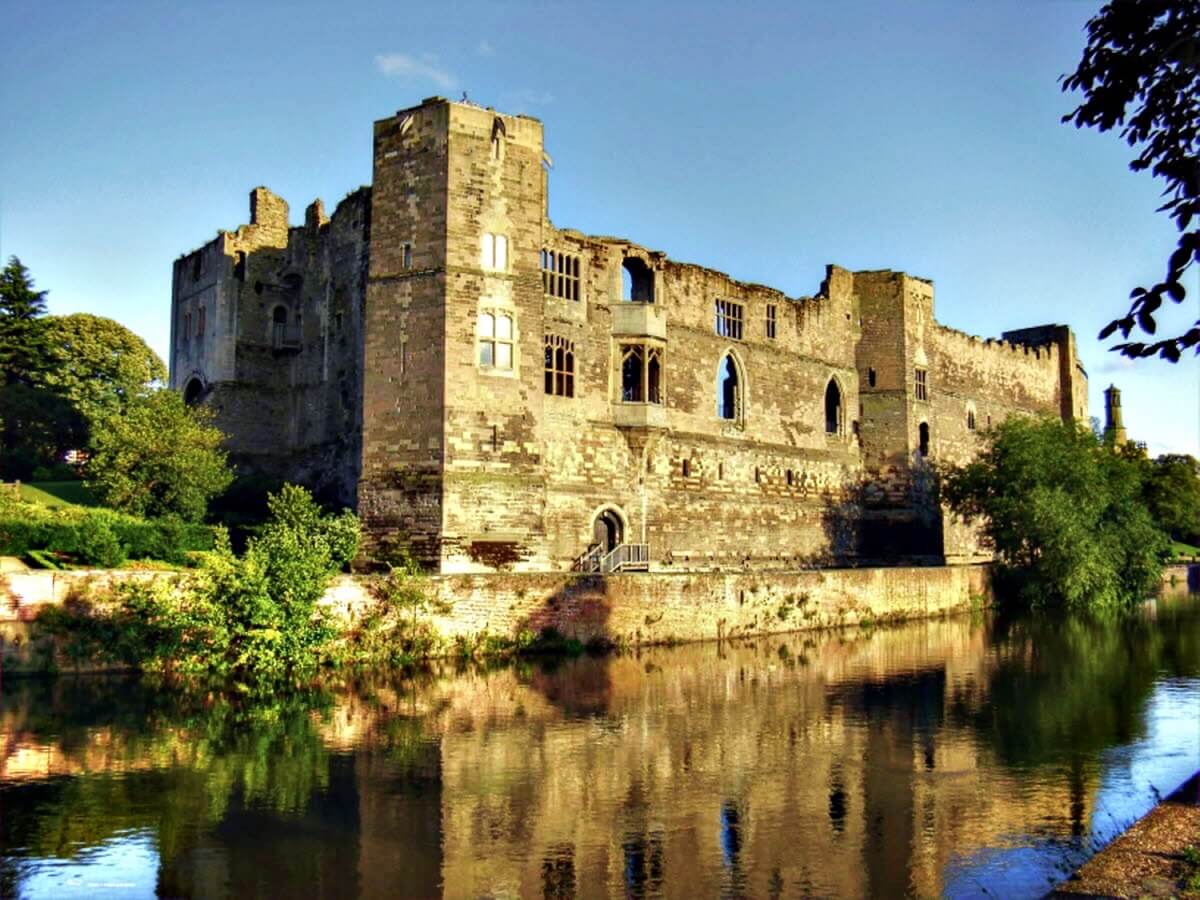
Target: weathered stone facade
(493,392)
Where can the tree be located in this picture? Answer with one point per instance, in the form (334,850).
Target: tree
(1064,512)
(1173,493)
(22,334)
(1145,54)
(37,426)
(158,456)
(98,365)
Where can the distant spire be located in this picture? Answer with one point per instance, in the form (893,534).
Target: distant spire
(1114,427)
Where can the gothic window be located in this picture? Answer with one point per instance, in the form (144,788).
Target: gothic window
(921,384)
(654,375)
(729,390)
(970,418)
(771,321)
(560,275)
(729,319)
(495,340)
(637,281)
(632,372)
(560,366)
(493,252)
(499,133)
(833,408)
(923,436)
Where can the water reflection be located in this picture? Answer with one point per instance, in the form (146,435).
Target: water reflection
(954,756)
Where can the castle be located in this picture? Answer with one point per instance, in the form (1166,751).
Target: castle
(490,391)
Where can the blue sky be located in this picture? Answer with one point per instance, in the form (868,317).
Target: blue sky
(763,140)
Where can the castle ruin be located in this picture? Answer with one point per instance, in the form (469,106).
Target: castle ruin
(490,391)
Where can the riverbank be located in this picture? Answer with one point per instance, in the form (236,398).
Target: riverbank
(1151,859)
(627,610)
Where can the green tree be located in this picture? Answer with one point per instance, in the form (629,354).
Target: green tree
(1140,72)
(158,456)
(97,364)
(22,329)
(1173,492)
(1064,512)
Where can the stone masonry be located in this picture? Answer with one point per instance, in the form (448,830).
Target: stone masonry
(492,392)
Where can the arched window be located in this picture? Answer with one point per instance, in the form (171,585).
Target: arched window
(493,252)
(729,390)
(923,435)
(637,281)
(970,418)
(871,377)
(654,375)
(833,408)
(560,366)
(632,360)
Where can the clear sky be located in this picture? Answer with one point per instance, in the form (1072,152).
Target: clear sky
(764,140)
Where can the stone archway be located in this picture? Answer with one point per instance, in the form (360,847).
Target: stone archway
(608,530)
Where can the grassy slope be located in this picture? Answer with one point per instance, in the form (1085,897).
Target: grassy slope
(57,494)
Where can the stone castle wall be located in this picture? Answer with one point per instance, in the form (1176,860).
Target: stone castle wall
(476,464)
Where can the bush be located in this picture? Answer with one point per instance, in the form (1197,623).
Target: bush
(97,544)
(1065,513)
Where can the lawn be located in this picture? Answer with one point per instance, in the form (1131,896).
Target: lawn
(57,494)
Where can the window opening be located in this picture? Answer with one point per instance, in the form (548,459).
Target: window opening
(560,275)
(833,408)
(637,281)
(729,319)
(192,391)
(923,434)
(729,390)
(632,371)
(687,468)
(406,260)
(771,321)
(493,251)
(654,376)
(922,386)
(970,420)
(790,477)
(871,377)
(187,327)
(560,366)
(200,323)
(495,340)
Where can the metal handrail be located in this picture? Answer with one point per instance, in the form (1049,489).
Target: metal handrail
(589,561)
(624,555)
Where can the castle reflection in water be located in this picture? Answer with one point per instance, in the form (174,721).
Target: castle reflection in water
(905,760)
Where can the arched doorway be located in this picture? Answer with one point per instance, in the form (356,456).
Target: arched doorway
(192,391)
(608,530)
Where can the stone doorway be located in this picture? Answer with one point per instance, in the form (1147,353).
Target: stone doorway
(608,531)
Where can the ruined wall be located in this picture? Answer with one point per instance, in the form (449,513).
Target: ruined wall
(280,362)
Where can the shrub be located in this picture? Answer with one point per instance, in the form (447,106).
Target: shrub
(97,544)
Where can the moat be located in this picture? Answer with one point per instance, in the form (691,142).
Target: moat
(960,756)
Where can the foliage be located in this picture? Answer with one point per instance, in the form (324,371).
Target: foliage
(1064,511)
(1173,494)
(94,537)
(1145,55)
(157,457)
(37,426)
(251,622)
(98,365)
(22,335)
(396,629)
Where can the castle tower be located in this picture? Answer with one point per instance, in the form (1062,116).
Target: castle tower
(1114,427)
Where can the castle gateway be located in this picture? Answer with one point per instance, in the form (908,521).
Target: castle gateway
(491,392)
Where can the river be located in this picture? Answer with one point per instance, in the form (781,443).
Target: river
(964,757)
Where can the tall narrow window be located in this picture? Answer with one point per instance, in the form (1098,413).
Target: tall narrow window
(560,366)
(493,251)
(187,327)
(495,340)
(921,384)
(632,372)
(729,390)
(560,275)
(923,438)
(200,323)
(970,418)
(833,408)
(771,321)
(729,319)
(637,281)
(654,375)
(406,256)
(871,377)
